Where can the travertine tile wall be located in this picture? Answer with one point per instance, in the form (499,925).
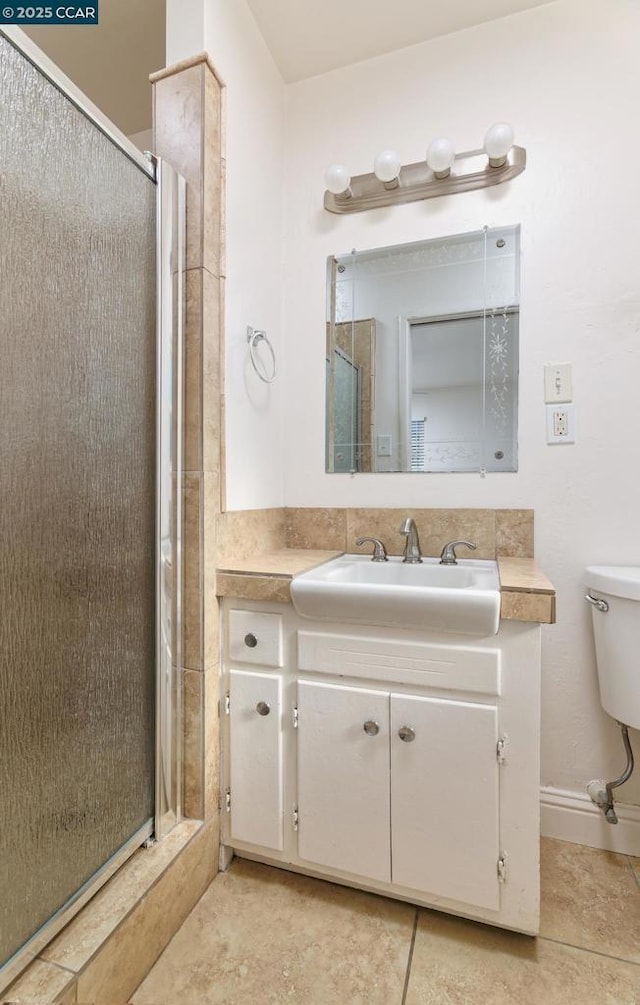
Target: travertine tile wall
(243,533)
(188,129)
(504,532)
(101,956)
(508,533)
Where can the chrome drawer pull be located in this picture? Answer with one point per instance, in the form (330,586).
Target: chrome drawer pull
(250,640)
(371,728)
(406,734)
(263,708)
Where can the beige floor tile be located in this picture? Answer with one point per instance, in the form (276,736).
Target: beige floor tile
(590,899)
(41,984)
(261,936)
(458,962)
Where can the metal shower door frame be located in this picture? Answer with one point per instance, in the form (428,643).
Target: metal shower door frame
(170,259)
(170,264)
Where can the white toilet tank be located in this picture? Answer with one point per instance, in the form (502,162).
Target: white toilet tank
(617,638)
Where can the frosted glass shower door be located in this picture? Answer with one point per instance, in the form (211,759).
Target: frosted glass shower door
(77,499)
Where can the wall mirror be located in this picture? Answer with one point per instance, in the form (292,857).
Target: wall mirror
(422,355)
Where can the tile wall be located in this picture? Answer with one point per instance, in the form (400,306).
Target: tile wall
(508,532)
(188,133)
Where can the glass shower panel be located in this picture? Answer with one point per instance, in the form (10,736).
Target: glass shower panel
(77,499)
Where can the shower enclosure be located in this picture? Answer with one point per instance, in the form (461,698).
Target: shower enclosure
(91,275)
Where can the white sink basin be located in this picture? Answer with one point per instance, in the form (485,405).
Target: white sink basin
(462,598)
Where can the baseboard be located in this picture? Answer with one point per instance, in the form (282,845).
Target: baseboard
(571,816)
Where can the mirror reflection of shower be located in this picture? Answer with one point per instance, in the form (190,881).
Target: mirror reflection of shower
(352,403)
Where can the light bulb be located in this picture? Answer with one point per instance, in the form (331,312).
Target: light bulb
(498,143)
(338,179)
(440,156)
(386,166)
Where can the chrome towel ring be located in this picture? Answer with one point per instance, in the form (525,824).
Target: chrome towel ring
(254,336)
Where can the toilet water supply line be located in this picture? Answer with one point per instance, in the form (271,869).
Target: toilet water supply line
(601,793)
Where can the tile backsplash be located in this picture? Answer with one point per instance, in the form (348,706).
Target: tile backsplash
(505,532)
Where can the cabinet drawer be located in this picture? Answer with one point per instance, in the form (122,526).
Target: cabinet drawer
(455,668)
(255,638)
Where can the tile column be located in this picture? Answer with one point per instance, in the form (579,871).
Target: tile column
(188,134)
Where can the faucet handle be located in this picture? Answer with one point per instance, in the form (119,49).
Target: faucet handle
(379,550)
(448,556)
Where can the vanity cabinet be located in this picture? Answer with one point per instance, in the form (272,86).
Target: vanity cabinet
(387,784)
(401,762)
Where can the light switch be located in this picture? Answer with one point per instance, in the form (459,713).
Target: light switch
(557,383)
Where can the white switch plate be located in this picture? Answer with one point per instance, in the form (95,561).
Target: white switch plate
(383,447)
(557,382)
(561,424)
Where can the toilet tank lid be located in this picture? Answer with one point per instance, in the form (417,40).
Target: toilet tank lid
(616,580)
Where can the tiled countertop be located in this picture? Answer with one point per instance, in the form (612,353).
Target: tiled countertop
(527,594)
(266,576)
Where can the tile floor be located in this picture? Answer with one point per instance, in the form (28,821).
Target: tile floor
(260,936)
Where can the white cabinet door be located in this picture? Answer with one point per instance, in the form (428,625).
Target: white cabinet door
(444,798)
(255,754)
(343,778)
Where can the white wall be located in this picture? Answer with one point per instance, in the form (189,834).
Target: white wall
(185,29)
(564,74)
(254,227)
(143,140)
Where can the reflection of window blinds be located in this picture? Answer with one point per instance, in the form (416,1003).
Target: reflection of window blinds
(417,444)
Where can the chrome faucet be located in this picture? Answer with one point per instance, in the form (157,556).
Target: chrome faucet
(412,547)
(449,557)
(379,550)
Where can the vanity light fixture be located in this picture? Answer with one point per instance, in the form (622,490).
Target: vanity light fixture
(442,173)
(440,157)
(338,180)
(498,143)
(386,168)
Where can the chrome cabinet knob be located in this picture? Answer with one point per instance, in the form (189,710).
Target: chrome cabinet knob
(371,728)
(250,640)
(263,708)
(406,734)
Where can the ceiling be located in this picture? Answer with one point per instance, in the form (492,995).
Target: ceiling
(111,61)
(308,37)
